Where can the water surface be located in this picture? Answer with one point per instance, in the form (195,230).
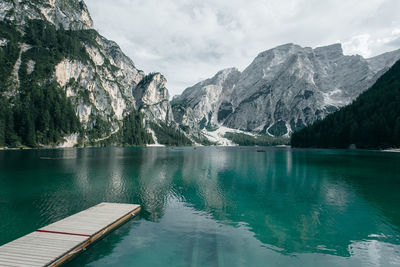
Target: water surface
(214,206)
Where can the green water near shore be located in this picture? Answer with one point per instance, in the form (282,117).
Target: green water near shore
(214,206)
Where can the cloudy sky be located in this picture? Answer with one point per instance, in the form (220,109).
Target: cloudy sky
(190,40)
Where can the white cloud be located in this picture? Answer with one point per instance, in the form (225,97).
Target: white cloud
(360,44)
(368,46)
(188,40)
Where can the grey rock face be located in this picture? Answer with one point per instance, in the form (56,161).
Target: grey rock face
(68,14)
(106,82)
(106,87)
(382,63)
(152,98)
(284,89)
(199,106)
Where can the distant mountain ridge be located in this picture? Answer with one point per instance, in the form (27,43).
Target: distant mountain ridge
(281,91)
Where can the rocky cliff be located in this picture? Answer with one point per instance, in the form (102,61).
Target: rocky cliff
(281,91)
(198,105)
(102,83)
(65,14)
(152,97)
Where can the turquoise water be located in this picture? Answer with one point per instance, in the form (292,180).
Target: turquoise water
(214,206)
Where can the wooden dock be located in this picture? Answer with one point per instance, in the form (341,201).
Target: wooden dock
(56,243)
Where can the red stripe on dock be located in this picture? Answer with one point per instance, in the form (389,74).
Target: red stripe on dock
(61,233)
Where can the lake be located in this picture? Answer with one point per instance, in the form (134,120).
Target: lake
(214,206)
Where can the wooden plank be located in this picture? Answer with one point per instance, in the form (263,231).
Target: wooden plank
(23,260)
(48,239)
(58,242)
(40,248)
(13,264)
(17,263)
(22,254)
(45,242)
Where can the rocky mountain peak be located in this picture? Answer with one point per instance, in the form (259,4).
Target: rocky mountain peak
(152,98)
(285,48)
(151,90)
(67,14)
(271,55)
(223,75)
(282,90)
(198,105)
(333,51)
(221,82)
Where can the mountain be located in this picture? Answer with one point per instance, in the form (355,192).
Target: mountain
(281,91)
(198,106)
(64,84)
(371,121)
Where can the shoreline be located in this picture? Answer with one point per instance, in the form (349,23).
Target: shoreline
(15,148)
(396,150)
(392,150)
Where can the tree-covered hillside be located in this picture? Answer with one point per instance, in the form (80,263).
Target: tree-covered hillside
(261,140)
(168,135)
(371,121)
(34,109)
